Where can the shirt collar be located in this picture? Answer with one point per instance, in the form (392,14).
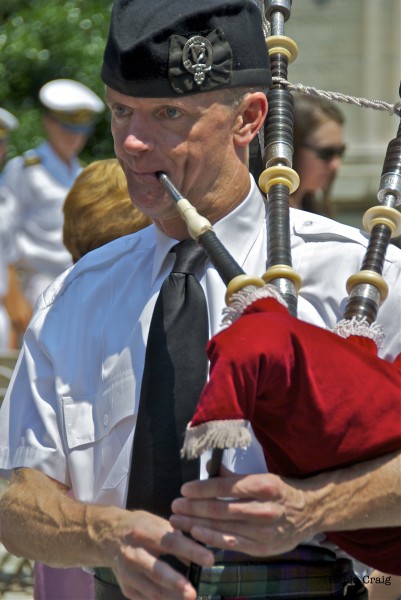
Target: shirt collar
(237,231)
(164,243)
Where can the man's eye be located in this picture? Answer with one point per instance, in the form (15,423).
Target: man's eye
(171,112)
(119,110)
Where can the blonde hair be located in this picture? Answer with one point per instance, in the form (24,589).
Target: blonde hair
(98,209)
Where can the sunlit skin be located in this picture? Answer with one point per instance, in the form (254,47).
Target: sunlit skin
(315,174)
(265,515)
(66,143)
(184,138)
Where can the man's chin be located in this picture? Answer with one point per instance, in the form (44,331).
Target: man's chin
(155,206)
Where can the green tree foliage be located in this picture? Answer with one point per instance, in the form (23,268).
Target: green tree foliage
(41,40)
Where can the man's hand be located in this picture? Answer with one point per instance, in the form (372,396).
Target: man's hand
(357,507)
(39,520)
(261,515)
(140,538)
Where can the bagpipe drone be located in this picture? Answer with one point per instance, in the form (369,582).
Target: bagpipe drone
(311,410)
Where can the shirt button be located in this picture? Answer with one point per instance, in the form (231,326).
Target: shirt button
(105,420)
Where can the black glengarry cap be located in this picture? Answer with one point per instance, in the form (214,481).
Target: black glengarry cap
(165,48)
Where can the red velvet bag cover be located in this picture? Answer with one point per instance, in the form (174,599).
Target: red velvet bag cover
(316,401)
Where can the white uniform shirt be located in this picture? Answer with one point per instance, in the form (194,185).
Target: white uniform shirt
(8,255)
(71,409)
(40,181)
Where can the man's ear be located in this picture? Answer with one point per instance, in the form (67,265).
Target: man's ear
(251,115)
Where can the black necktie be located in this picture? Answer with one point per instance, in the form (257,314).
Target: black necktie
(174,374)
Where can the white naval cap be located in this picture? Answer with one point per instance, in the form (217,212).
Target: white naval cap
(71,103)
(7,123)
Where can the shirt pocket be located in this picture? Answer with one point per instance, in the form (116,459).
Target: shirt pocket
(90,418)
(98,432)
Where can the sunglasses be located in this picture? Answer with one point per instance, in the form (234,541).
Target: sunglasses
(327,153)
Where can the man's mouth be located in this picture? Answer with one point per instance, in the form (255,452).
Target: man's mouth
(149,176)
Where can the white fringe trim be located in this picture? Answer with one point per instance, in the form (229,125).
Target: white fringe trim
(230,433)
(347,327)
(245,297)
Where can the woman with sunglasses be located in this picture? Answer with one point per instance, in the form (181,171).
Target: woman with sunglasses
(318,149)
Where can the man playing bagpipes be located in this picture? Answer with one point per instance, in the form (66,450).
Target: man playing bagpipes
(186,90)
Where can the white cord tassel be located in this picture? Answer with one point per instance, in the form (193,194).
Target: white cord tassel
(347,327)
(230,433)
(245,297)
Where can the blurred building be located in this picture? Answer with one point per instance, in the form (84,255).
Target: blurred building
(353,47)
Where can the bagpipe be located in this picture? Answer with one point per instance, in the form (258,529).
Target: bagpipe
(310,394)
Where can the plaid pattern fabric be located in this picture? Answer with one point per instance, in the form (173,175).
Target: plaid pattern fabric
(306,572)
(285,580)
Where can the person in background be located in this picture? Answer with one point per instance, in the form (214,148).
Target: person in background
(39,181)
(97,210)
(187,94)
(318,149)
(8,123)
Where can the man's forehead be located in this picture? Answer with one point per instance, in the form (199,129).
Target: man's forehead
(203,99)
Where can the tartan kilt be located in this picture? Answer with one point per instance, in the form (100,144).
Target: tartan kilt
(306,572)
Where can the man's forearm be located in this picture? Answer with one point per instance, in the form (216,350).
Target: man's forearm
(266,514)
(40,521)
(358,497)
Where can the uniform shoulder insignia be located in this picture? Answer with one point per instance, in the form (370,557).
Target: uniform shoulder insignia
(31,160)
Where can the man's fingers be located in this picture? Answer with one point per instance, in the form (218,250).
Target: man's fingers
(255,540)
(142,575)
(268,487)
(186,549)
(232,541)
(221,510)
(259,532)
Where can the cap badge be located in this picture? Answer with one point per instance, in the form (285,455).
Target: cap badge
(197,57)
(200,63)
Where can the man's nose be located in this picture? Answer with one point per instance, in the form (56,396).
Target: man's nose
(139,137)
